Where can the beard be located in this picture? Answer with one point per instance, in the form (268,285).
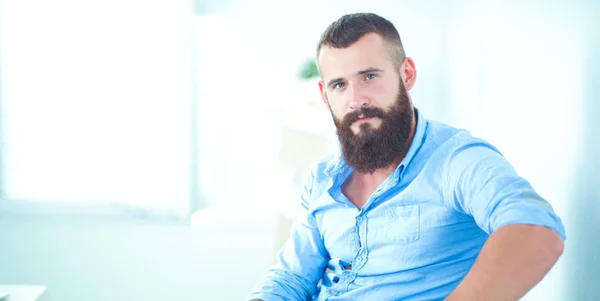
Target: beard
(375,148)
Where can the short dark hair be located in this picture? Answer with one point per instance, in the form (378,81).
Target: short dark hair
(348,29)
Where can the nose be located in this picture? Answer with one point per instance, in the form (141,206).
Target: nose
(356,97)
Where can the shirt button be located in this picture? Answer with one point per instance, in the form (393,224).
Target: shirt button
(359,219)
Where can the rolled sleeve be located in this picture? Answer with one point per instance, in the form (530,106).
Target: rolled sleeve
(483,184)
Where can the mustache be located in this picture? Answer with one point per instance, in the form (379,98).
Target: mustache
(366,112)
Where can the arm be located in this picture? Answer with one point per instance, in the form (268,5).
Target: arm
(513,260)
(301,261)
(526,236)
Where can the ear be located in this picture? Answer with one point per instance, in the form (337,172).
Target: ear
(408,73)
(323,93)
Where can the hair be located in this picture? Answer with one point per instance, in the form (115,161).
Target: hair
(348,29)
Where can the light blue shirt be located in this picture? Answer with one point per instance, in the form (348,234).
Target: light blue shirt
(418,234)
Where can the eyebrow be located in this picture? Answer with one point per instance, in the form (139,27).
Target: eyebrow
(370,70)
(365,71)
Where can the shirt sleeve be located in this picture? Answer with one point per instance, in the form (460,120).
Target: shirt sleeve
(480,182)
(300,262)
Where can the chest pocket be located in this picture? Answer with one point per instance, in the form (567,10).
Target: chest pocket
(402,224)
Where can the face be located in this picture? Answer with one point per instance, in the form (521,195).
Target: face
(368,99)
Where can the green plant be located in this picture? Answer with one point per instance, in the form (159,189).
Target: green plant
(308,69)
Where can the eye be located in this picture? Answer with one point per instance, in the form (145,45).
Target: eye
(370,76)
(339,85)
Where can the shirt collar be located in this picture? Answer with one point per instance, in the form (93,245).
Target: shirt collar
(338,163)
(415,144)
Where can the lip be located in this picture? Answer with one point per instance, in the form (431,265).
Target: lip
(363,119)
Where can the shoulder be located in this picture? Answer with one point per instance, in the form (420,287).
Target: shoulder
(454,153)
(455,145)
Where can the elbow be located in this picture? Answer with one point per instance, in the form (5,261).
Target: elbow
(547,245)
(554,247)
(557,246)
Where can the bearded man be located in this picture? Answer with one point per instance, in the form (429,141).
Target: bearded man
(410,209)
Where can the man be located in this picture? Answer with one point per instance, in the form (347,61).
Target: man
(411,209)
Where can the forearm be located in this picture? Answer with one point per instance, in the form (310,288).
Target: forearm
(282,285)
(513,260)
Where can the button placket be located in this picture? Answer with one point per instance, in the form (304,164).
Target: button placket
(363,234)
(360,258)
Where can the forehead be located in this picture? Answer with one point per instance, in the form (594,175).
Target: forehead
(369,51)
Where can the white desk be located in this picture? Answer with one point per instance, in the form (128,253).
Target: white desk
(22,292)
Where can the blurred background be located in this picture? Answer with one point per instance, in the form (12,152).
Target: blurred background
(154,150)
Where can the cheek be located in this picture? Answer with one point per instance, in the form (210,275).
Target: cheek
(337,106)
(382,90)
(383,94)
